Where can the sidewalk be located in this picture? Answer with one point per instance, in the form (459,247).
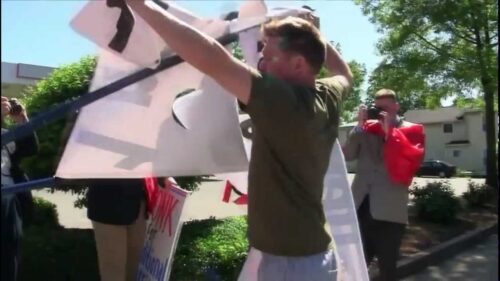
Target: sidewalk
(202,204)
(479,263)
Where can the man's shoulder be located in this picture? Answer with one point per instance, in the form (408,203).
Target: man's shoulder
(332,85)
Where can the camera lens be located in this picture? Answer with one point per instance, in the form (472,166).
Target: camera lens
(373,112)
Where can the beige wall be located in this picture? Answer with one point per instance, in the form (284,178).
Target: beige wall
(465,156)
(17,76)
(474,158)
(434,141)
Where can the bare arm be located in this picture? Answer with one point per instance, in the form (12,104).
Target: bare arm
(337,66)
(201,51)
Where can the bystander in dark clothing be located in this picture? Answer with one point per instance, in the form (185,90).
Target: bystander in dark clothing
(15,206)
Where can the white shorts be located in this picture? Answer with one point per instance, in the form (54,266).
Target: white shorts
(266,267)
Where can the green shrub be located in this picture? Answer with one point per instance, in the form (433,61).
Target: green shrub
(58,254)
(478,195)
(436,202)
(207,248)
(45,214)
(211,248)
(64,84)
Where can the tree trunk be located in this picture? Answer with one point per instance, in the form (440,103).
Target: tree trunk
(491,136)
(489,101)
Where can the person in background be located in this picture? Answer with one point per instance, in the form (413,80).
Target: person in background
(15,207)
(383,175)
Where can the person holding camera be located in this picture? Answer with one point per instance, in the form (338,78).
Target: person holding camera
(388,151)
(18,207)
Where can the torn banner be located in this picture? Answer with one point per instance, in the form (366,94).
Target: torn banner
(179,113)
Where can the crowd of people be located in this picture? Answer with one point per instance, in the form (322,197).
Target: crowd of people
(295,125)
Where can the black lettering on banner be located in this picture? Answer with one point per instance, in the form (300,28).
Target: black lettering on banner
(163,5)
(178,96)
(124,25)
(247,129)
(260,46)
(231,16)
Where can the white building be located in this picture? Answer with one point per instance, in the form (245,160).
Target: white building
(453,135)
(17,76)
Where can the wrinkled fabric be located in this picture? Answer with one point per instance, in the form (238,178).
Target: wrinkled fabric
(403,150)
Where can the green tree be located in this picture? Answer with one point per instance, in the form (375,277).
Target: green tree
(63,84)
(435,49)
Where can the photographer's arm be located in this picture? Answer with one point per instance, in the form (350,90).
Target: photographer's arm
(353,143)
(199,50)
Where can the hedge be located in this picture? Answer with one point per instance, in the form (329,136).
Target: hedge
(212,249)
(436,202)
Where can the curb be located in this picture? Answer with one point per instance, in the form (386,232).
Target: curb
(438,253)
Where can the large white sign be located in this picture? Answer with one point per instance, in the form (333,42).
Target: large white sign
(179,113)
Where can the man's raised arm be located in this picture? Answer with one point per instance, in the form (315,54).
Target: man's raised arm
(201,51)
(337,66)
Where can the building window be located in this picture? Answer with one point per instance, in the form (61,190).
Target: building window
(456,153)
(448,128)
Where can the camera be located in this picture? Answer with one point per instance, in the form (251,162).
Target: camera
(373,112)
(15,107)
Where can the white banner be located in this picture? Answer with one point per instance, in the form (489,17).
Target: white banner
(179,113)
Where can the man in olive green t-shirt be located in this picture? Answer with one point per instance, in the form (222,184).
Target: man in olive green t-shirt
(295,120)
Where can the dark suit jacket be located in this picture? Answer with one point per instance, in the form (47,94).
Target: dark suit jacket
(19,206)
(25,147)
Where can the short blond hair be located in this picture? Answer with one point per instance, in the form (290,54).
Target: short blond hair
(301,37)
(385,93)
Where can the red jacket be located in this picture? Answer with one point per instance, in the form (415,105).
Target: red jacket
(403,150)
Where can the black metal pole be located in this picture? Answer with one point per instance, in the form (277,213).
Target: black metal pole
(61,110)
(30,185)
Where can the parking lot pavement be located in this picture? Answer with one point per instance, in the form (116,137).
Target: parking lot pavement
(206,202)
